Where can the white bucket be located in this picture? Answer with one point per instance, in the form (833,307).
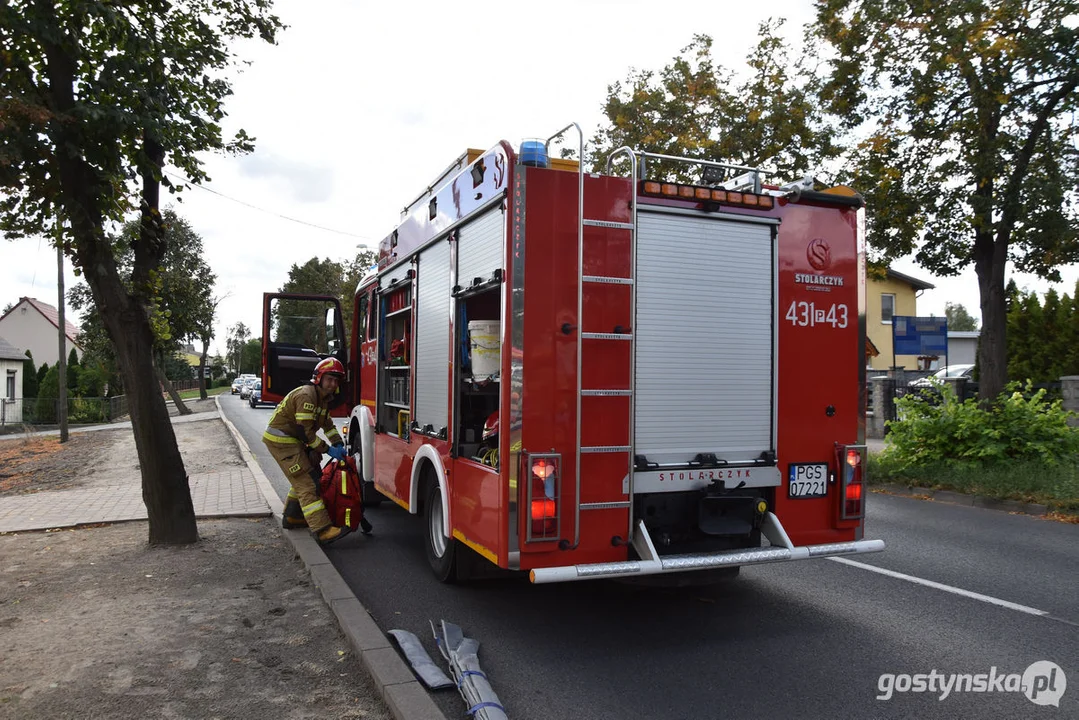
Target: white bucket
(483,338)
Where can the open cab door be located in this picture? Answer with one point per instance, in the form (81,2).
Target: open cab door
(298,331)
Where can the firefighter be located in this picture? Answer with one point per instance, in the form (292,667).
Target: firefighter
(292,441)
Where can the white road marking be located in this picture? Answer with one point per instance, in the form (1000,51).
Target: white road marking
(941,586)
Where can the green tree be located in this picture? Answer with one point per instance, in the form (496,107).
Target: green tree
(251,357)
(97,97)
(48,395)
(41,373)
(73,370)
(689,108)
(959,318)
(969,155)
(1072,336)
(1046,351)
(217,367)
(238,335)
(29,377)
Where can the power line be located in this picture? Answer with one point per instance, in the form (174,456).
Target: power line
(268,212)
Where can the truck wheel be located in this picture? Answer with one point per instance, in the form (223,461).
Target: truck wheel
(441,550)
(371,497)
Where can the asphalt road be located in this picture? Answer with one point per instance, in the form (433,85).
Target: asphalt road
(807,640)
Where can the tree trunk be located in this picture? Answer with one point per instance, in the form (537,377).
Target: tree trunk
(990,259)
(165,489)
(202,368)
(167,384)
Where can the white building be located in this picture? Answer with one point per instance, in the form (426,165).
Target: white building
(33,325)
(11,365)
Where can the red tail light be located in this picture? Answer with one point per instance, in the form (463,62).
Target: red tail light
(852,486)
(544,478)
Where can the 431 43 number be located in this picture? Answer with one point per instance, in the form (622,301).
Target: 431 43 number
(807,314)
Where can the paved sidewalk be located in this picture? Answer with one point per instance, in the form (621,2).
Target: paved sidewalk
(215,495)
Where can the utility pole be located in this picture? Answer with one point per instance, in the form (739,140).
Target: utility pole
(61,365)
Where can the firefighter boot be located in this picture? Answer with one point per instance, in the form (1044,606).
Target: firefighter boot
(365,526)
(292,518)
(331,533)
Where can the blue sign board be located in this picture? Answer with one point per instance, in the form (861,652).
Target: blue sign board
(919,335)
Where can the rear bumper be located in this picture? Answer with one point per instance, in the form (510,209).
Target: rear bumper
(651,563)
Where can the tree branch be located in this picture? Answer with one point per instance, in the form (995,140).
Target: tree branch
(1022,161)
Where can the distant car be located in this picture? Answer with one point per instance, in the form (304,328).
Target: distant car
(245,391)
(963,371)
(237,385)
(254,397)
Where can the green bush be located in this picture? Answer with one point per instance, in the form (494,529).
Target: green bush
(1020,426)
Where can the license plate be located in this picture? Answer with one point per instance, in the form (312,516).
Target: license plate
(808,480)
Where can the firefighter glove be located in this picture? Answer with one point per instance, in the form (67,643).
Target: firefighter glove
(338,452)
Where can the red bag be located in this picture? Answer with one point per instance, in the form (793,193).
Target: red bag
(342,493)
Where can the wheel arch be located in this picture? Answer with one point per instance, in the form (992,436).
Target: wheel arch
(425,457)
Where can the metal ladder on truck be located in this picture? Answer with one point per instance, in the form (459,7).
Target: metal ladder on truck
(618,334)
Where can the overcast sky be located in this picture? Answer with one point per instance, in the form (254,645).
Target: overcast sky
(361,104)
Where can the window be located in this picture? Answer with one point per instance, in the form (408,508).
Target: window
(11,384)
(887,308)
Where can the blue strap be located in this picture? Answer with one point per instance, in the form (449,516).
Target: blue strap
(479,706)
(466,673)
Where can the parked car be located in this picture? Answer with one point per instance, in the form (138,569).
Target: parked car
(963,371)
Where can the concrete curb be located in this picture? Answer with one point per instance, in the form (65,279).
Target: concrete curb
(401,691)
(956,498)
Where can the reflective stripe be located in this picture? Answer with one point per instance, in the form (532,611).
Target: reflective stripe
(277,436)
(335,437)
(292,494)
(305,416)
(313,508)
(344,483)
(348,516)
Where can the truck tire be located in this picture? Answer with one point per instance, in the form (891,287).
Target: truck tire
(372,498)
(441,550)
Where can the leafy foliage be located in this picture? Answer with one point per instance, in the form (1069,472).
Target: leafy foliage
(1042,339)
(959,318)
(29,377)
(969,153)
(769,120)
(1021,426)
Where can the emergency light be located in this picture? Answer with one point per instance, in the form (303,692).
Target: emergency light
(705,194)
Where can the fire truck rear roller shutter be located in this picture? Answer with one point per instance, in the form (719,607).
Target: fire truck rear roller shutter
(705,338)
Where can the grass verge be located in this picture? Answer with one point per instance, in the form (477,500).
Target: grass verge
(1056,486)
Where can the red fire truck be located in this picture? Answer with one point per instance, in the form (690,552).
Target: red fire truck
(608,375)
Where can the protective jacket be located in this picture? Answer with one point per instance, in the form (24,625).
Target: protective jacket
(297,419)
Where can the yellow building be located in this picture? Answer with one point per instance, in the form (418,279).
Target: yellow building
(896,294)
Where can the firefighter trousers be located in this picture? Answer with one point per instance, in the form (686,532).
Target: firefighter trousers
(303,476)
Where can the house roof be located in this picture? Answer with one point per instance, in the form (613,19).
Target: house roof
(9,351)
(912,281)
(50,314)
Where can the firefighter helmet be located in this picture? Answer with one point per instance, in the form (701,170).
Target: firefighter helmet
(329,366)
(490,428)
